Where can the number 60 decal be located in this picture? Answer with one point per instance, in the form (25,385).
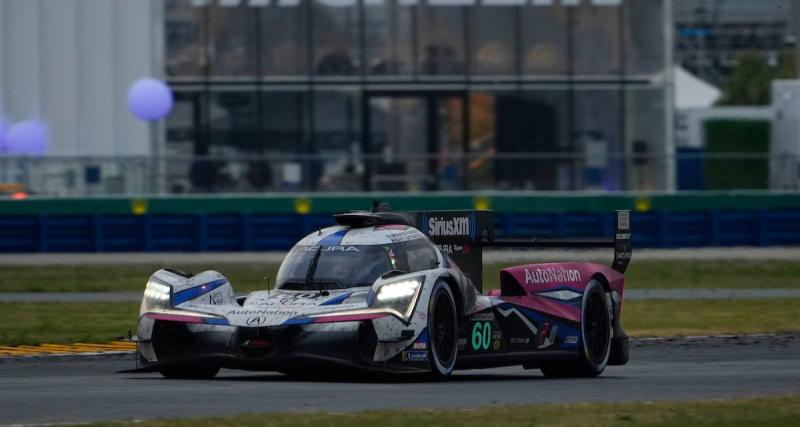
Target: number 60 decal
(481,335)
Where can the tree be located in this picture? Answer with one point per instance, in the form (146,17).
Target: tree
(750,82)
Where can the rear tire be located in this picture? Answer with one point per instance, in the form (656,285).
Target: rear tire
(595,344)
(189,372)
(442,330)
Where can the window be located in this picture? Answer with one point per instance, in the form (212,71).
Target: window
(493,45)
(596,40)
(544,40)
(440,40)
(284,40)
(389,38)
(645,138)
(232,41)
(597,138)
(644,38)
(337,137)
(185,39)
(336,40)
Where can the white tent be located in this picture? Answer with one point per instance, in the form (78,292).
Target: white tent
(692,92)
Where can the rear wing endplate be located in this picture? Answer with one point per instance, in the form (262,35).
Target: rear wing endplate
(463,234)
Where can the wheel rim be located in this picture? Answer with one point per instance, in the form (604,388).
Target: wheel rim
(596,328)
(444,339)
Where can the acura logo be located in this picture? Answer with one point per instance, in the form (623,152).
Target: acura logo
(256,320)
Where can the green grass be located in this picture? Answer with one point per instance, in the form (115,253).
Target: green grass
(111,278)
(33,323)
(780,411)
(710,317)
(249,277)
(739,274)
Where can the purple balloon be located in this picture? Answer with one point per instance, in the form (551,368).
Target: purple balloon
(27,138)
(150,99)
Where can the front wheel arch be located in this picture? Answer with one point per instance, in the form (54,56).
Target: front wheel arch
(441,298)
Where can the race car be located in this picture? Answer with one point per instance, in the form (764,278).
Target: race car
(391,293)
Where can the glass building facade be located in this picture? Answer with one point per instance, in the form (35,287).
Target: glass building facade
(417,95)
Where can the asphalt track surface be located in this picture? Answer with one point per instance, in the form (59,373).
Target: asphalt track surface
(78,390)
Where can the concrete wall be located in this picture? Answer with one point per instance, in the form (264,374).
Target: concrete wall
(70,63)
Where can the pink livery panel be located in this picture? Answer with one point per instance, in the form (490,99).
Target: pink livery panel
(555,288)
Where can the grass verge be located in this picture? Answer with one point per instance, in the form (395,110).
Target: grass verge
(34,323)
(777,411)
(710,317)
(250,277)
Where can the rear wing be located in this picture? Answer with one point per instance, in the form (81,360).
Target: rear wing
(463,234)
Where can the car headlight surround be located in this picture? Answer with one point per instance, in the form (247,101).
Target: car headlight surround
(157,294)
(398,296)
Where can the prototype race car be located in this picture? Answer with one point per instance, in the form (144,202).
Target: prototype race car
(393,292)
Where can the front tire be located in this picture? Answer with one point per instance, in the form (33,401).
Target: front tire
(189,372)
(442,330)
(595,345)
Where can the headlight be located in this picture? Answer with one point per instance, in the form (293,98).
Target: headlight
(398,297)
(156,295)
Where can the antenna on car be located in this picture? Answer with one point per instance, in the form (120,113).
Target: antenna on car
(268,284)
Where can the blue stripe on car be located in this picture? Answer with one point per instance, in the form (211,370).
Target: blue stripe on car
(334,239)
(298,321)
(192,293)
(337,299)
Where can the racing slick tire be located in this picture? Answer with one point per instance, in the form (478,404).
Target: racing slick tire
(189,372)
(595,344)
(442,330)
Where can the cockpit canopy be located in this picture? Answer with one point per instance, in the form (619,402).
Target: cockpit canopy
(340,265)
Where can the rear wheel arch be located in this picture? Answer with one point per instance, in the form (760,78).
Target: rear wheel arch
(600,277)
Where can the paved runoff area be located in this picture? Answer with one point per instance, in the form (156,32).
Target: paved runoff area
(88,389)
(490,256)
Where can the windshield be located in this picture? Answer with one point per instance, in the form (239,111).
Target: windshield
(342,267)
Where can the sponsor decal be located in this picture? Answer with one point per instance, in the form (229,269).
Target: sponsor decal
(414,356)
(289,298)
(462,342)
(333,248)
(404,236)
(481,335)
(624,220)
(520,340)
(571,340)
(496,345)
(215,298)
(420,346)
(262,313)
(482,317)
(455,226)
(623,236)
(551,275)
(454,249)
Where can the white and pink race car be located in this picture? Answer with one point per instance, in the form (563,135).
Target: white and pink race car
(393,292)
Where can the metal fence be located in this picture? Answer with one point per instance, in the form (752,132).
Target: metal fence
(263,232)
(347,171)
